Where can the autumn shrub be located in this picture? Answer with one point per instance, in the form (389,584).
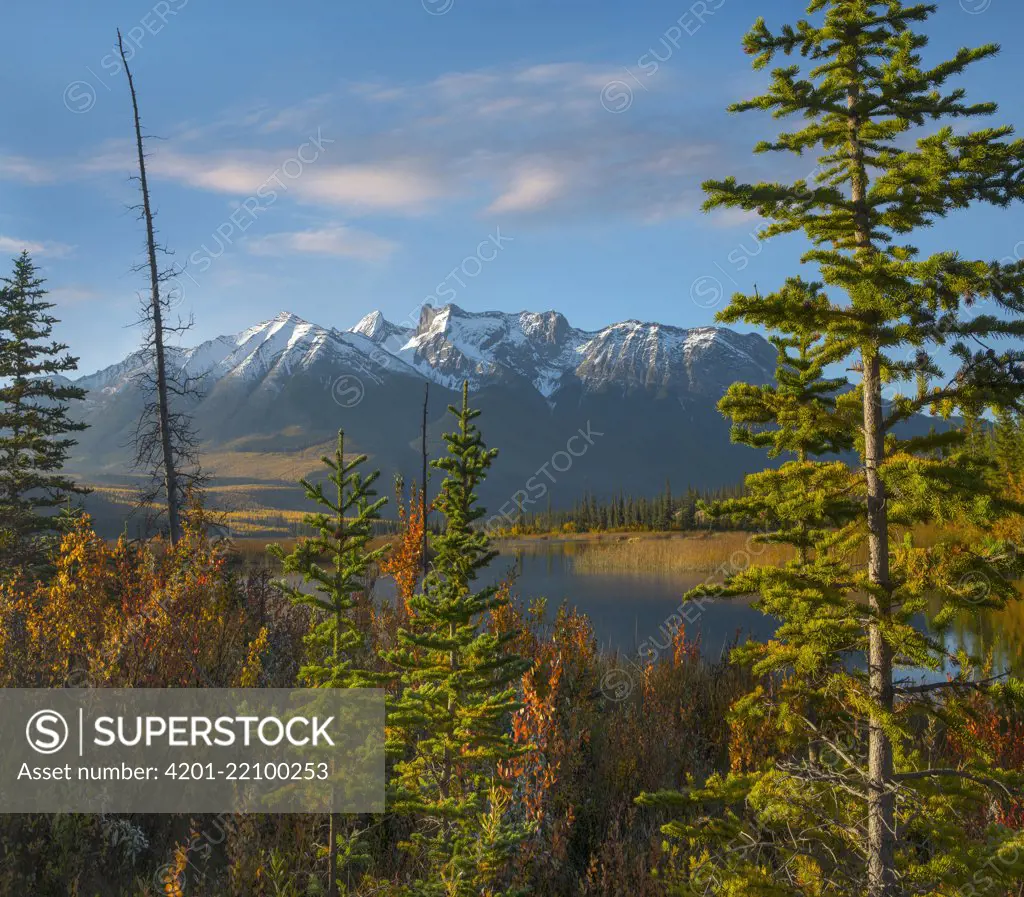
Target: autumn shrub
(595,746)
(134,614)
(997,734)
(404,563)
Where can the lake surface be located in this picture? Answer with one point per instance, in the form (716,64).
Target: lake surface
(635,614)
(628,611)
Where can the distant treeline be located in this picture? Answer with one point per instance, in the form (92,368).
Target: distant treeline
(999,440)
(589,514)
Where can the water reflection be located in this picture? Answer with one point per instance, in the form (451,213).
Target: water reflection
(632,611)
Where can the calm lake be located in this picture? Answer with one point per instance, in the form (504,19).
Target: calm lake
(634,611)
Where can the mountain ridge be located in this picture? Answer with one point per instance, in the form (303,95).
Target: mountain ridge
(450,344)
(276,393)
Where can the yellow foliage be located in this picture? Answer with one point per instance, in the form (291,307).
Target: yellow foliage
(130,615)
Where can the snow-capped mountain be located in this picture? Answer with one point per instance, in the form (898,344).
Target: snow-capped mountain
(266,353)
(281,389)
(450,345)
(382,332)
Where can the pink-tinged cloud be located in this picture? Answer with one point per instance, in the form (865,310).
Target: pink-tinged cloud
(396,187)
(531,188)
(337,240)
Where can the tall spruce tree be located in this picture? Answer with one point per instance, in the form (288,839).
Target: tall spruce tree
(34,421)
(336,562)
(450,724)
(875,816)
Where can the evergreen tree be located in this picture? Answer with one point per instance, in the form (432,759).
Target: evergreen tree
(34,421)
(336,657)
(688,511)
(451,720)
(335,562)
(796,416)
(1008,448)
(876,817)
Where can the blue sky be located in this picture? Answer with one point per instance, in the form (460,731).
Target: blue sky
(332,158)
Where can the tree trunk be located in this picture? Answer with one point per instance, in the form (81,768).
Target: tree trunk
(334,827)
(163,413)
(881,802)
(423,494)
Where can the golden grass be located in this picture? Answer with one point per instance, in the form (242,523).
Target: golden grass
(705,553)
(116,495)
(673,553)
(269,521)
(236,507)
(284,467)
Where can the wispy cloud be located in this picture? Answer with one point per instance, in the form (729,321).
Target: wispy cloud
(16,245)
(734,218)
(336,240)
(532,140)
(297,117)
(568,75)
(397,186)
(25,170)
(531,188)
(400,185)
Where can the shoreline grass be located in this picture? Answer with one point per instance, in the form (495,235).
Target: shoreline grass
(679,553)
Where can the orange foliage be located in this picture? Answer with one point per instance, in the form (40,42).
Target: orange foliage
(553,721)
(404,564)
(684,651)
(130,615)
(596,745)
(1000,735)
(751,737)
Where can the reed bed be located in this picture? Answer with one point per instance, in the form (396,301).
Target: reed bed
(670,554)
(686,554)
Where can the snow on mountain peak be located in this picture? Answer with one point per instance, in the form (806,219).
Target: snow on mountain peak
(379,330)
(450,345)
(371,325)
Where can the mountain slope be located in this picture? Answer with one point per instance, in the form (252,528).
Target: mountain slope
(284,386)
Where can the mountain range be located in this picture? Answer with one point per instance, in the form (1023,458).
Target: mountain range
(275,394)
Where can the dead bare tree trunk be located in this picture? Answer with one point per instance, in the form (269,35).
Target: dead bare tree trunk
(423,493)
(160,442)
